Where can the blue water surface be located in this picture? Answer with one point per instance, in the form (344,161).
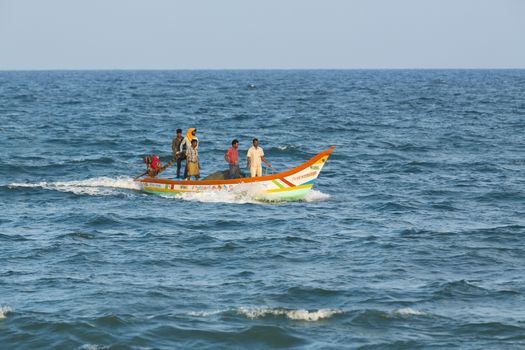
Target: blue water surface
(413,237)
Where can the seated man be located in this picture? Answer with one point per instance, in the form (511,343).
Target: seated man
(153,165)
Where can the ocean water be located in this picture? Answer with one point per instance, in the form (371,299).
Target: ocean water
(413,237)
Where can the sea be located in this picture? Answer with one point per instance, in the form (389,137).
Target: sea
(413,236)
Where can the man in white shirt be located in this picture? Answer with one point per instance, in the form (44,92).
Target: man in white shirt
(255,156)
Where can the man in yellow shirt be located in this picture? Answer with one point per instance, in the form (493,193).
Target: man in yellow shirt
(255,156)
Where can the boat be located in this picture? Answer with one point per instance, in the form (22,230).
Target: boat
(291,185)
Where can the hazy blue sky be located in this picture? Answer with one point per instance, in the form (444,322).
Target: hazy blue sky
(177,34)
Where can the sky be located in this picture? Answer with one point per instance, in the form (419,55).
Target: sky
(261,34)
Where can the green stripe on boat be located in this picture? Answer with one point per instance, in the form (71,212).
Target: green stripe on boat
(277,183)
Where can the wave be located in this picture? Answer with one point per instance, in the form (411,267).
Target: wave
(253,337)
(504,229)
(94,186)
(31,165)
(4,310)
(397,313)
(407,311)
(110,320)
(253,313)
(94,347)
(296,315)
(287,150)
(459,288)
(263,312)
(417,233)
(25,97)
(502,195)
(376,317)
(206,313)
(71,102)
(503,331)
(14,238)
(78,235)
(394,207)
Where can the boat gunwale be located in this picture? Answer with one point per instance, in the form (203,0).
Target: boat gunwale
(241,180)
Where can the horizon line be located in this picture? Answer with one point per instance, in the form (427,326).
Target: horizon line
(248,69)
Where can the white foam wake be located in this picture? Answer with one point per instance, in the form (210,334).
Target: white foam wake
(4,310)
(316,196)
(300,315)
(241,194)
(94,186)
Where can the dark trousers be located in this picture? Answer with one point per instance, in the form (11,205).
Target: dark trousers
(235,172)
(180,158)
(179,164)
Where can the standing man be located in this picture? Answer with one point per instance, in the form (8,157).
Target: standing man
(175,145)
(232,157)
(186,144)
(255,155)
(192,160)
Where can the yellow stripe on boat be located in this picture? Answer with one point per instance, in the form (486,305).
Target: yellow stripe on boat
(289,188)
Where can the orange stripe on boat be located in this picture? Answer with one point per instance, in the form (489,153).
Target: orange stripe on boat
(287,182)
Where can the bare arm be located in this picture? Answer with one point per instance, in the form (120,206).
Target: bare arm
(266,162)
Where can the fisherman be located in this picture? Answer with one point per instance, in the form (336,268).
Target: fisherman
(175,145)
(153,165)
(254,157)
(186,144)
(192,160)
(232,158)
